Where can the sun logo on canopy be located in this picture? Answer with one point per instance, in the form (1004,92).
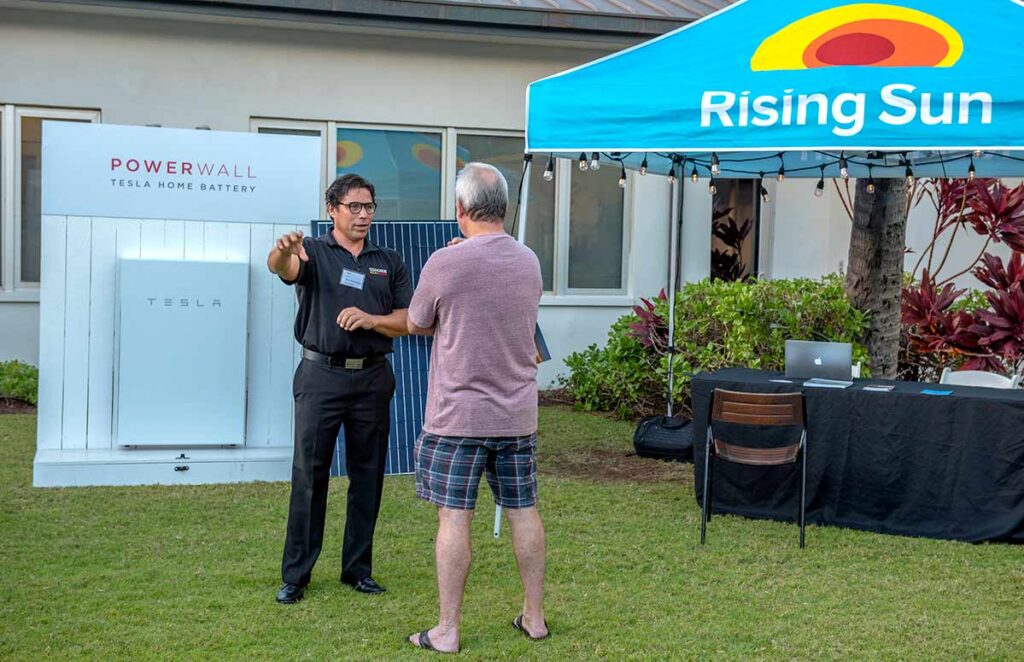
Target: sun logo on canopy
(862,34)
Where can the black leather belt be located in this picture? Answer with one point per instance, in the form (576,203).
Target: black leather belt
(342,362)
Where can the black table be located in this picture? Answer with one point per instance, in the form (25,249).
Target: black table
(898,462)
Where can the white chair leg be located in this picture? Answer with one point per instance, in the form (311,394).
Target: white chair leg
(497,521)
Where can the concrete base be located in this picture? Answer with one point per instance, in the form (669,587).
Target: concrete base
(74,468)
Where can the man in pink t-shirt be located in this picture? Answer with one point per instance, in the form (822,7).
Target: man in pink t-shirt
(479,299)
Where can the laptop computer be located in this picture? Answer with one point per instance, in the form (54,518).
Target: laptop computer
(806,359)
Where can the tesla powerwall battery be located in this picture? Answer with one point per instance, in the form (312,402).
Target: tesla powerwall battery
(180,374)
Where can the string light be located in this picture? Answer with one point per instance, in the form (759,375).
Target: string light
(672,173)
(643,168)
(715,165)
(583,162)
(693,175)
(819,190)
(970,171)
(910,175)
(871,182)
(764,191)
(712,189)
(549,171)
(844,169)
(622,178)
(977,153)
(782,169)
(595,161)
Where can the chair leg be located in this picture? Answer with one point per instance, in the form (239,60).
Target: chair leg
(803,489)
(711,485)
(704,506)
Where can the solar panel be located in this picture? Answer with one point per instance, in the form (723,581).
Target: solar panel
(414,241)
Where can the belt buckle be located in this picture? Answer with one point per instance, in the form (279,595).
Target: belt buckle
(353,364)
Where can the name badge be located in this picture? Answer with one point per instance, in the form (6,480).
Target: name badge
(351,278)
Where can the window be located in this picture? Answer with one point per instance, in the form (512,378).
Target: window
(404,166)
(576,223)
(506,154)
(596,232)
(21,130)
(298,128)
(734,229)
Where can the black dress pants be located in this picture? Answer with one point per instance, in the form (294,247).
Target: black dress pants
(325,399)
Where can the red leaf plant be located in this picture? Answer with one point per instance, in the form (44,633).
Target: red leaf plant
(652,329)
(1001,329)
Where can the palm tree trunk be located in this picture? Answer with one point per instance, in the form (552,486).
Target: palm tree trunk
(874,281)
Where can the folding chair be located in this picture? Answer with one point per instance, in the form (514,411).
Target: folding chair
(768,409)
(978,378)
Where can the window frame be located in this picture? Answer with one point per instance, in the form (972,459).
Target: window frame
(12,287)
(257,123)
(561,294)
(446,147)
(564,205)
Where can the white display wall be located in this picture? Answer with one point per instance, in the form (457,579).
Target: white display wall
(78,315)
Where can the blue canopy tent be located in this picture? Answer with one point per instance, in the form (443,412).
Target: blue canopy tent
(817,88)
(814,89)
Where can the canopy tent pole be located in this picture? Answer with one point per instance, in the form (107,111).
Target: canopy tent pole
(675,221)
(524,198)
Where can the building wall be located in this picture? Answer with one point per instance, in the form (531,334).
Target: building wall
(186,74)
(811,236)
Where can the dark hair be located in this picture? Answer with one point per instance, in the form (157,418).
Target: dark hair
(342,185)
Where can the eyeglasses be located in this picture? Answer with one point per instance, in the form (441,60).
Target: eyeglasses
(355,207)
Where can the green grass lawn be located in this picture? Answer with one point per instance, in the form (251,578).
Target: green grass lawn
(191,572)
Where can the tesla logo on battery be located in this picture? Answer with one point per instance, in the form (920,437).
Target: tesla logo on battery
(167,302)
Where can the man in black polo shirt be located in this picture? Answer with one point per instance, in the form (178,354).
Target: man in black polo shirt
(353,297)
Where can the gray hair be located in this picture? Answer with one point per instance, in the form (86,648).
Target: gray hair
(482,191)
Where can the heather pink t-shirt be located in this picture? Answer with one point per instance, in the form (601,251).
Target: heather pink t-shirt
(482,297)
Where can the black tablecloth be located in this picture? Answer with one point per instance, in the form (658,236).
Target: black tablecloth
(899,462)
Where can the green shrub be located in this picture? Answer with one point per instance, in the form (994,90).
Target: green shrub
(20,381)
(718,324)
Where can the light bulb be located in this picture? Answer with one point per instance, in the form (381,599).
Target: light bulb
(715,165)
(871,186)
(672,174)
(977,153)
(549,171)
(764,194)
(643,168)
(622,179)
(712,189)
(595,162)
(819,190)
(694,176)
(910,176)
(844,170)
(970,171)
(782,175)
(583,162)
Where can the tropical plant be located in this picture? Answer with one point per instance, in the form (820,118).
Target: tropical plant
(718,324)
(943,326)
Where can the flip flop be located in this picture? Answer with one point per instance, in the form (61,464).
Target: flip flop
(517,623)
(426,644)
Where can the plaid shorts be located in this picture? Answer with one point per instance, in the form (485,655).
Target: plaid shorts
(448,470)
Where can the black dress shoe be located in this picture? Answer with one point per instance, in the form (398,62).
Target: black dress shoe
(290,593)
(365,585)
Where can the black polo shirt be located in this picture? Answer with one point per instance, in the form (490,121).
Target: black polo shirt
(386,286)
